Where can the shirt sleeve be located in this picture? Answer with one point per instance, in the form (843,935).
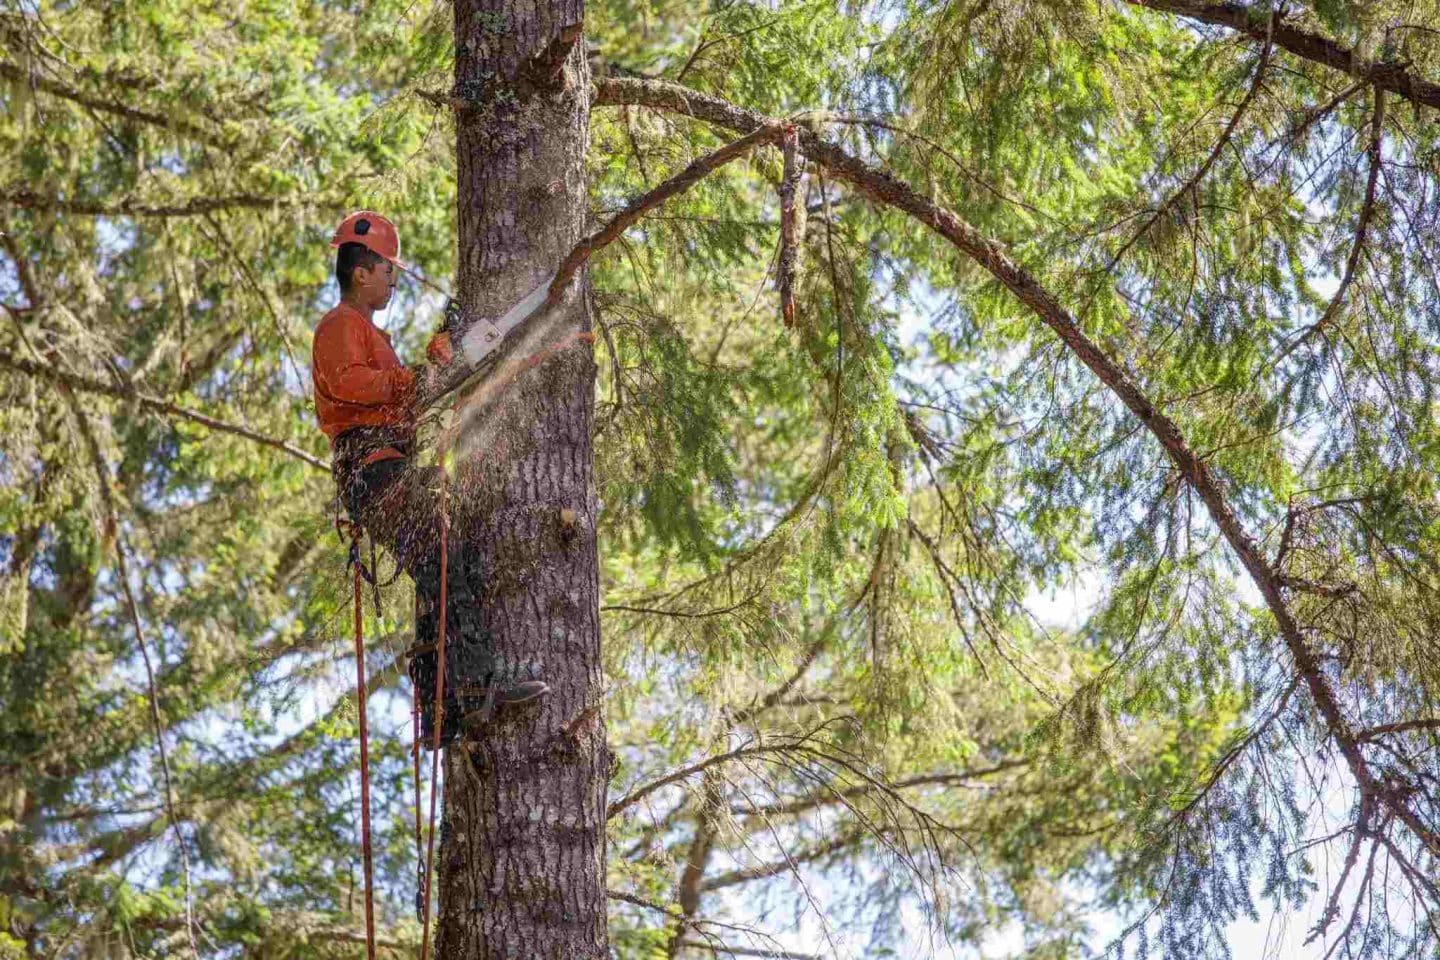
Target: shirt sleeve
(344,373)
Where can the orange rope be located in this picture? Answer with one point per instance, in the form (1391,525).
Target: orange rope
(439,706)
(415,756)
(364,771)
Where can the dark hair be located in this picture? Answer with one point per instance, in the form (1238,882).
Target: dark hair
(350,256)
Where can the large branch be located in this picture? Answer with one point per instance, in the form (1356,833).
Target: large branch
(888,190)
(155,404)
(1396,77)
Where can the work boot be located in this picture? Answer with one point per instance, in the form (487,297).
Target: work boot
(498,695)
(465,706)
(475,707)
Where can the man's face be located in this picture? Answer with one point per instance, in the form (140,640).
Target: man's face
(375,284)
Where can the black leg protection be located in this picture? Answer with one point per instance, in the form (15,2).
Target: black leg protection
(468,648)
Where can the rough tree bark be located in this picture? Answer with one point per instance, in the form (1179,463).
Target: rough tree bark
(522,842)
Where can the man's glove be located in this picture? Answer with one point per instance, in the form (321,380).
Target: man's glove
(439,351)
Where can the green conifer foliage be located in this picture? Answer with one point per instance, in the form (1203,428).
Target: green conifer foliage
(824,546)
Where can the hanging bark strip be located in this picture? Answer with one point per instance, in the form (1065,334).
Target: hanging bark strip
(990,254)
(789,223)
(365,845)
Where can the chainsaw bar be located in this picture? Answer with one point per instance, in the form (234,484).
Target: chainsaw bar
(484,336)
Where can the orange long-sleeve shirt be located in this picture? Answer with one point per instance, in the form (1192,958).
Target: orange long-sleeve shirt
(359,381)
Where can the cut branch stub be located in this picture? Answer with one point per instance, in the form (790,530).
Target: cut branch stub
(545,71)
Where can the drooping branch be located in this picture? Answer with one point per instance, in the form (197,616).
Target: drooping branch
(886,189)
(699,766)
(726,950)
(26,199)
(1394,77)
(174,124)
(702,846)
(1362,231)
(674,914)
(238,777)
(112,522)
(155,404)
(1257,81)
(787,864)
(827,798)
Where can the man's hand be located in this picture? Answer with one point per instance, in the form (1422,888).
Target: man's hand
(440,351)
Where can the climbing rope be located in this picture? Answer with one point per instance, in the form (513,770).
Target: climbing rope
(439,721)
(356,568)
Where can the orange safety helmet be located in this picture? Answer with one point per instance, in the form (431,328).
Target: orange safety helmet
(372,231)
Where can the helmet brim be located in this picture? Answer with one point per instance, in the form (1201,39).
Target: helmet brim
(336,242)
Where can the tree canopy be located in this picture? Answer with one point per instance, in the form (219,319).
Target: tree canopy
(1136,301)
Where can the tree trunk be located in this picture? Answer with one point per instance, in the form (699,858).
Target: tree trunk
(522,843)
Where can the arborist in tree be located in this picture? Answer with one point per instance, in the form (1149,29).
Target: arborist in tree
(366,402)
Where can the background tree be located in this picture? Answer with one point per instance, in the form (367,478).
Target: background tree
(1175,274)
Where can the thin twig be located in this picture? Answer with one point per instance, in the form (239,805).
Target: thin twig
(1193,183)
